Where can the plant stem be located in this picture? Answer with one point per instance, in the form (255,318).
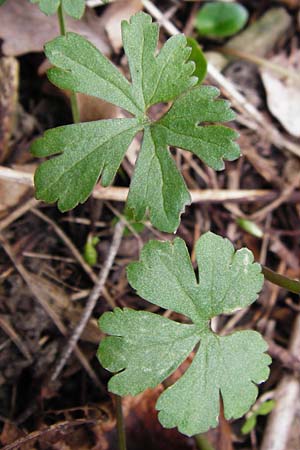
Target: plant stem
(74,107)
(61,20)
(281,280)
(73,98)
(120,423)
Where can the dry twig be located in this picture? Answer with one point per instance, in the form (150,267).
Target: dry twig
(287,398)
(92,300)
(119,194)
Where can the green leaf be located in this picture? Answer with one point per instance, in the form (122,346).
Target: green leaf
(220,19)
(250,226)
(74,8)
(157,184)
(88,151)
(155,78)
(156,336)
(48,7)
(80,67)
(211,143)
(199,59)
(232,364)
(144,348)
(2,2)
(265,408)
(157,187)
(250,424)
(90,253)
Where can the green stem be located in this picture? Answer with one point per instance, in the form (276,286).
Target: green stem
(120,424)
(73,99)
(61,20)
(281,280)
(74,107)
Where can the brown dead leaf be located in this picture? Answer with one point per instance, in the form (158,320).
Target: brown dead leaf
(24,28)
(92,108)
(113,16)
(9,83)
(143,428)
(283,95)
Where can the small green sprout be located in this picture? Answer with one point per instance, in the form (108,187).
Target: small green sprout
(263,409)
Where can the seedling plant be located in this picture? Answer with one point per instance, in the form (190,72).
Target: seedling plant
(142,349)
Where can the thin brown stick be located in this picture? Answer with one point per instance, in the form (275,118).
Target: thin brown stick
(75,252)
(62,427)
(119,194)
(46,306)
(92,300)
(9,330)
(77,255)
(18,212)
(287,394)
(286,193)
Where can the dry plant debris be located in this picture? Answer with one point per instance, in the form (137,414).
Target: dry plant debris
(45,283)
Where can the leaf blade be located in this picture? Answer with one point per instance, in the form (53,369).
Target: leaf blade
(157,184)
(219,19)
(158,78)
(162,346)
(211,143)
(227,279)
(196,393)
(80,67)
(229,366)
(74,8)
(88,150)
(164,269)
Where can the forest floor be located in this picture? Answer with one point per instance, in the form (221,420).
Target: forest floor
(45,279)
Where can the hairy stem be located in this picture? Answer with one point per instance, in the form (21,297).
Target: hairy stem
(120,423)
(73,99)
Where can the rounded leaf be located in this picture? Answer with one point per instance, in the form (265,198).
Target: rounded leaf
(221,19)
(199,59)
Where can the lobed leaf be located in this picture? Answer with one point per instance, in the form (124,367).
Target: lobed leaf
(142,346)
(161,347)
(80,67)
(156,186)
(74,8)
(227,366)
(211,143)
(156,78)
(48,7)
(88,151)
